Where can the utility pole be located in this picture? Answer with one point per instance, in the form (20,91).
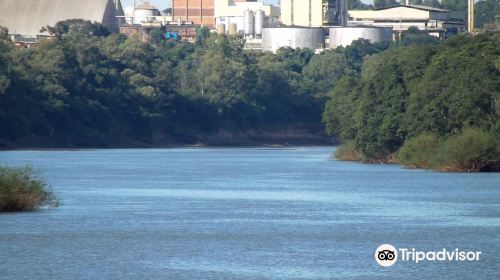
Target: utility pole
(470,16)
(133,14)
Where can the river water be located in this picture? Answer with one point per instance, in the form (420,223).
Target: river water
(245,213)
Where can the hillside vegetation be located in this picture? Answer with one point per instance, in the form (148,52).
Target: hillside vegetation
(86,87)
(429,106)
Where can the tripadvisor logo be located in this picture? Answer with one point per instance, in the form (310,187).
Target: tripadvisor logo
(387,255)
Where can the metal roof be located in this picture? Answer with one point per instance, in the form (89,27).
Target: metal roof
(27,17)
(418,7)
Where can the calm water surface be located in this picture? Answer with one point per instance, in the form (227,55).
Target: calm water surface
(201,213)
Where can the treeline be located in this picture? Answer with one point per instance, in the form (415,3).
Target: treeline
(425,105)
(420,101)
(86,87)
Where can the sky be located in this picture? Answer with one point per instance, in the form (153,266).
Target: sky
(162,4)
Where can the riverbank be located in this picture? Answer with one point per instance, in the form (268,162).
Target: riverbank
(290,136)
(443,157)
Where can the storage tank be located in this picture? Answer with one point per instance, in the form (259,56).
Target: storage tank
(274,38)
(248,22)
(221,28)
(344,36)
(232,29)
(260,18)
(144,15)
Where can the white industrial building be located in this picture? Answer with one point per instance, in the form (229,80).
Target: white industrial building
(232,14)
(313,13)
(28,17)
(435,21)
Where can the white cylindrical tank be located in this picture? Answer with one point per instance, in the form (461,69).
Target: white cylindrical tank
(274,38)
(344,36)
(221,28)
(144,15)
(129,13)
(248,22)
(260,18)
(232,29)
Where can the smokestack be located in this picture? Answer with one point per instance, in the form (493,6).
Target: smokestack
(470,16)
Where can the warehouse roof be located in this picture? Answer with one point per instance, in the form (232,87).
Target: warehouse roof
(27,17)
(418,7)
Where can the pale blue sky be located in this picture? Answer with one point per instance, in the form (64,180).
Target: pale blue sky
(162,4)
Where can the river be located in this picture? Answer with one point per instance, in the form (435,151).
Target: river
(245,213)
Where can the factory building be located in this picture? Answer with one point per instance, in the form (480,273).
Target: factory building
(437,22)
(238,15)
(314,13)
(141,19)
(26,18)
(196,11)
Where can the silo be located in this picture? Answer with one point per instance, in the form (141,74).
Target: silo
(232,29)
(144,15)
(260,18)
(221,28)
(274,38)
(344,36)
(248,22)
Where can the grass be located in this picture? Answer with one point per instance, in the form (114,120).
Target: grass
(472,149)
(22,189)
(348,151)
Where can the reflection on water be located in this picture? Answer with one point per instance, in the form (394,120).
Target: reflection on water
(203,213)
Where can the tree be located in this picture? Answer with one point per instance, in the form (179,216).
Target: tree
(155,37)
(340,110)
(485,11)
(432,3)
(358,5)
(76,26)
(415,36)
(416,2)
(455,5)
(379,4)
(5,63)
(459,89)
(202,34)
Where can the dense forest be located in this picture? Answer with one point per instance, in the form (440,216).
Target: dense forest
(85,87)
(425,105)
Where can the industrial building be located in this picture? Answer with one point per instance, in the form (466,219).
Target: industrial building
(26,18)
(314,13)
(141,19)
(437,22)
(196,11)
(238,14)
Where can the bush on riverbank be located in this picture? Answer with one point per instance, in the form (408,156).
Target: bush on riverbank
(348,151)
(21,189)
(471,150)
(418,152)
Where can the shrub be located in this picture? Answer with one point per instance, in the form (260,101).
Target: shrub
(418,152)
(21,189)
(348,151)
(472,150)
